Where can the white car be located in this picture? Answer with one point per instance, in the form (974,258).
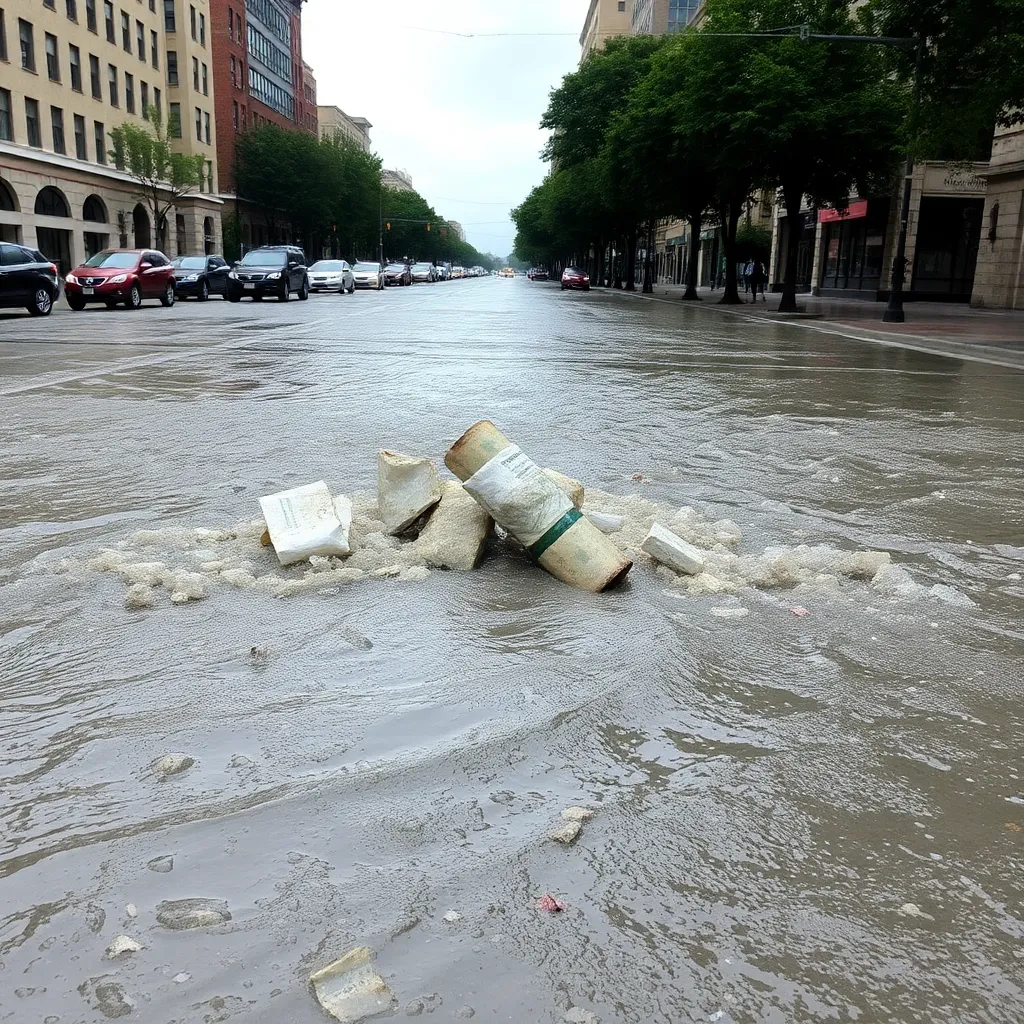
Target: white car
(423,272)
(368,275)
(331,276)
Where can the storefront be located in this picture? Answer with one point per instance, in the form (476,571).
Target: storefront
(946,255)
(853,247)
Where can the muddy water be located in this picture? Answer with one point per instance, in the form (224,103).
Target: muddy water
(800,817)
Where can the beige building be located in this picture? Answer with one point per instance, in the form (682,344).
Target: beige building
(606,19)
(457,229)
(399,180)
(335,123)
(72,70)
(999,277)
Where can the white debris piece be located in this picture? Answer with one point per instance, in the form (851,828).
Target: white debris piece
(730,613)
(605,521)
(950,595)
(131,910)
(567,834)
(454,537)
(665,547)
(573,489)
(577,1015)
(453,916)
(139,596)
(350,989)
(121,946)
(172,764)
(578,814)
(307,521)
(407,486)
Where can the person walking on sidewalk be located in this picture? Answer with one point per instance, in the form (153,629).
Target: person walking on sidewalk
(757,278)
(747,271)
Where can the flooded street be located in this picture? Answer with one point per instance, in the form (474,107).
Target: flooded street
(800,817)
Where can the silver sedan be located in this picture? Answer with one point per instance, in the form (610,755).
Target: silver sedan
(369,275)
(331,276)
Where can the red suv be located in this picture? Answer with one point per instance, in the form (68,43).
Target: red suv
(121,275)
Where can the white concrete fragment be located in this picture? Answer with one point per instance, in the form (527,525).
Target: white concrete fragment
(407,486)
(307,521)
(172,764)
(605,521)
(573,489)
(730,613)
(121,946)
(139,596)
(131,910)
(577,1015)
(665,547)
(183,915)
(578,813)
(181,978)
(350,989)
(567,834)
(454,537)
(453,916)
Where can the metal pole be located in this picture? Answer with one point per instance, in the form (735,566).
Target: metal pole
(380,224)
(894,309)
(648,288)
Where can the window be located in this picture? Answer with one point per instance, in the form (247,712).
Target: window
(202,29)
(234,76)
(71,6)
(28,46)
(80,151)
(112,79)
(154,49)
(270,93)
(195,73)
(172,68)
(199,125)
(94,77)
(144,100)
(3,36)
(169,20)
(192,16)
(156,102)
(622,5)
(174,120)
(231,24)
(100,136)
(76,67)
(206,127)
(57,124)
(140,40)
(108,19)
(129,93)
(270,53)
(234,115)
(126,32)
(32,123)
(50,3)
(152,5)
(52,60)
(6,124)
(243,117)
(90,15)
(206,84)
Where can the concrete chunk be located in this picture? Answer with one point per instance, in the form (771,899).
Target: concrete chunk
(454,537)
(573,489)
(567,834)
(407,486)
(350,990)
(665,547)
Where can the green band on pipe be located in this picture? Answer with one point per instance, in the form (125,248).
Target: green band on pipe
(574,515)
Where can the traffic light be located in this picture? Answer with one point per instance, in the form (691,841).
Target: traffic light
(428,226)
(387,226)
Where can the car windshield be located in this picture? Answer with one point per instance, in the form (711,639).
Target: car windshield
(113,260)
(264,259)
(328,265)
(421,266)
(396,266)
(190,263)
(373,268)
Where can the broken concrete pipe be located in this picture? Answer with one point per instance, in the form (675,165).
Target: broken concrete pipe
(407,487)
(534,509)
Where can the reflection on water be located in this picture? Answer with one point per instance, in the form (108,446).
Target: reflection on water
(811,817)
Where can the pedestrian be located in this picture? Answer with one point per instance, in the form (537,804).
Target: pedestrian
(757,280)
(747,271)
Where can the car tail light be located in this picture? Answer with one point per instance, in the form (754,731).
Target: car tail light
(53,268)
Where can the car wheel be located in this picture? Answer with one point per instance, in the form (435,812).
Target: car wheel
(304,290)
(42,303)
(232,298)
(257,298)
(204,291)
(563,287)
(110,303)
(168,297)
(76,302)
(134,299)
(285,293)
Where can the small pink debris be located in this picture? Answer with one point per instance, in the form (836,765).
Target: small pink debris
(639,478)
(799,612)
(550,904)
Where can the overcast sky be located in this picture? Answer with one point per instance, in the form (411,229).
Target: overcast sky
(460,115)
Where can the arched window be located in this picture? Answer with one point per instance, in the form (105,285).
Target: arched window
(51,203)
(7,200)
(140,220)
(94,210)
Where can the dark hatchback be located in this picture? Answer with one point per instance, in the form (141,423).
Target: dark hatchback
(274,271)
(28,280)
(200,276)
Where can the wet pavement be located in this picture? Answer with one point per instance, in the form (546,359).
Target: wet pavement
(799,817)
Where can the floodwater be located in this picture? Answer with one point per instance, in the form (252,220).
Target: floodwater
(799,817)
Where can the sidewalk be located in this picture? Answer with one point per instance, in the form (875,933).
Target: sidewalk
(945,328)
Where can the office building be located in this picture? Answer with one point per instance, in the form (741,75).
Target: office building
(335,123)
(606,19)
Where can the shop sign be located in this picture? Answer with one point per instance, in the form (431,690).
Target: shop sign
(855,210)
(954,179)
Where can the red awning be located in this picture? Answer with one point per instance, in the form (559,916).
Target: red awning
(857,209)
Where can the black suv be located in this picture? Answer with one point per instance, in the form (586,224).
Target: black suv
(273,271)
(27,280)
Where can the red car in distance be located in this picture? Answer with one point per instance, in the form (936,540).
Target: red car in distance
(573,277)
(121,275)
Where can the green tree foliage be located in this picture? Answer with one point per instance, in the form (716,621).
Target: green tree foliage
(407,217)
(162,177)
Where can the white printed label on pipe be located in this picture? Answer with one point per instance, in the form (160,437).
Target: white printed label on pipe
(518,495)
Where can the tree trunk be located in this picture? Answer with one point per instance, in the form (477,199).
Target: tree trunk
(793,193)
(648,288)
(631,259)
(618,263)
(730,223)
(598,279)
(693,261)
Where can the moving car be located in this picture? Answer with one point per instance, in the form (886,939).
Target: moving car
(397,273)
(507,272)
(368,275)
(201,276)
(331,276)
(121,275)
(27,279)
(573,277)
(423,272)
(274,270)
(537,274)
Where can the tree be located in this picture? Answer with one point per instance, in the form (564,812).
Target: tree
(163,177)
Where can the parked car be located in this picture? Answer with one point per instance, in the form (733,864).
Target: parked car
(332,276)
(573,277)
(537,274)
(368,275)
(398,274)
(272,271)
(423,272)
(27,279)
(201,276)
(458,273)
(121,275)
